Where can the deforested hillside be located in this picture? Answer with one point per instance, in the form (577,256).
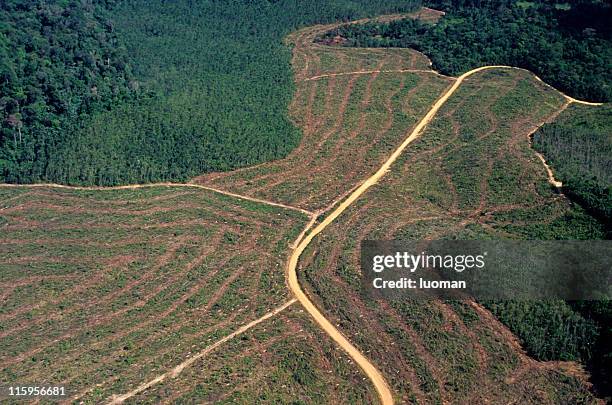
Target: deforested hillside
(182,293)
(108,92)
(470,175)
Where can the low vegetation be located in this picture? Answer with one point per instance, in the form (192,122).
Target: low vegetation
(286,360)
(471,175)
(577,145)
(104,290)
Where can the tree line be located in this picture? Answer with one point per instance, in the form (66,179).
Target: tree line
(578,145)
(569,45)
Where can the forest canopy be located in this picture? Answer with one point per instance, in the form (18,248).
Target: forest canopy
(578,146)
(59,61)
(569,45)
(108,92)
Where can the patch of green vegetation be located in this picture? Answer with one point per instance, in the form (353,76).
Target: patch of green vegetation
(549,330)
(578,147)
(525,4)
(574,224)
(426,381)
(570,390)
(468,315)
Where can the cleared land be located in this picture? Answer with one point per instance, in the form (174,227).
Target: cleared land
(106,287)
(107,290)
(284,360)
(472,174)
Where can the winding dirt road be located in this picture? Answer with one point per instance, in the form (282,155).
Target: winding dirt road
(384,392)
(167,184)
(304,240)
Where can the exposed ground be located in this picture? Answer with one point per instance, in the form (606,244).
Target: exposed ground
(284,360)
(109,290)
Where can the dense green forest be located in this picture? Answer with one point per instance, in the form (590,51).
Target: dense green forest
(564,330)
(59,61)
(109,92)
(560,330)
(568,45)
(578,146)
